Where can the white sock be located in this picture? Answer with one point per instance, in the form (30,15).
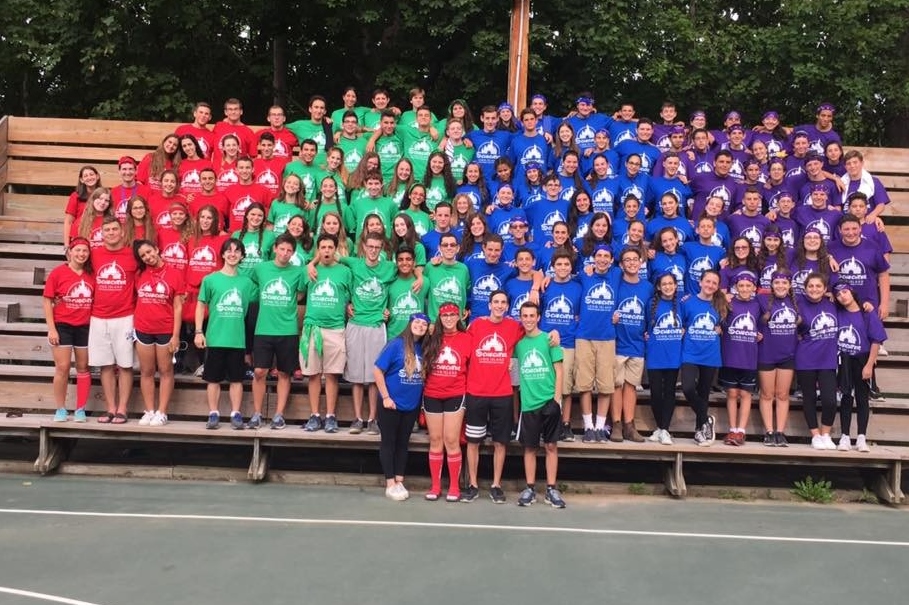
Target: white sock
(588,421)
(601,422)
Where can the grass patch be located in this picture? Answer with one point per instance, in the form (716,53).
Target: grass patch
(809,490)
(637,489)
(732,494)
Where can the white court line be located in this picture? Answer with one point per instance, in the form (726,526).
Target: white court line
(43,597)
(506,528)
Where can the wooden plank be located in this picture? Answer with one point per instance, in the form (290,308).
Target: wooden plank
(79,153)
(31,230)
(30,306)
(4,142)
(57,174)
(899,237)
(885,159)
(34,205)
(49,251)
(25,348)
(89,132)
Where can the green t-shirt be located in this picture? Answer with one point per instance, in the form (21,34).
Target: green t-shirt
(402,303)
(327,297)
(446,283)
(307,129)
(278,289)
(311,177)
(320,209)
(436,192)
(417,147)
(279,213)
(370,289)
(535,358)
(460,157)
(337,116)
(228,298)
(422,222)
(353,151)
(364,205)
(390,150)
(301,257)
(408,119)
(256,253)
(371,119)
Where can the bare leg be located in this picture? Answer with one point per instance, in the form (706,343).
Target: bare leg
(62,364)
(147,365)
(282,391)
(552,463)
(530,465)
(498,462)
(258,389)
(315,393)
(125,387)
(331,393)
(236,396)
(357,393)
(109,387)
(165,362)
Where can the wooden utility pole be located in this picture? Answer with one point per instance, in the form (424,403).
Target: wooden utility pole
(518,54)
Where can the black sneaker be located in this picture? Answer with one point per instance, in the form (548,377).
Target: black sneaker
(496,494)
(779,439)
(566,434)
(470,494)
(709,428)
(770,439)
(589,436)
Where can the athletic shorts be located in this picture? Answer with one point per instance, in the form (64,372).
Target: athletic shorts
(543,423)
(628,369)
(364,344)
(789,364)
(334,354)
(144,338)
(735,378)
(493,412)
(72,336)
(595,362)
(111,342)
(449,405)
(282,351)
(224,364)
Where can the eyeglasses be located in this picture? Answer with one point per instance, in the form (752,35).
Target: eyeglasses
(448,245)
(631,163)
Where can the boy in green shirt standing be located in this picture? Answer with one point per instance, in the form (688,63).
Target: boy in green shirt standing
(225,296)
(402,300)
(540,366)
(323,352)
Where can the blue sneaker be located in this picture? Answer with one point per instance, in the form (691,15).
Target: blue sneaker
(527,497)
(313,424)
(236,421)
(214,420)
(554,498)
(590,436)
(255,422)
(61,415)
(331,424)
(79,415)
(277,422)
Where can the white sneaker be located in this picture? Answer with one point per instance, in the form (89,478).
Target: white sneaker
(158,419)
(845,444)
(828,442)
(817,442)
(656,435)
(394,493)
(861,444)
(146,418)
(882,352)
(403,491)
(665,438)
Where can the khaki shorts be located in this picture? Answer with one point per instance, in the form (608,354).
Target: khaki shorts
(594,362)
(110,342)
(334,354)
(568,371)
(364,345)
(628,369)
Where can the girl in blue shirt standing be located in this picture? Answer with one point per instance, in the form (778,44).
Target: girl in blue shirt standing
(663,352)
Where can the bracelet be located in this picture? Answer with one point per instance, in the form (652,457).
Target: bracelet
(199,332)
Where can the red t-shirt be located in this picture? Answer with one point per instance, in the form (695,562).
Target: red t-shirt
(449,373)
(95,239)
(227,173)
(115,278)
(492,347)
(72,294)
(249,142)
(155,292)
(173,251)
(159,206)
(204,258)
(239,198)
(143,173)
(197,201)
(285,141)
(74,206)
(120,196)
(190,175)
(205,137)
(268,173)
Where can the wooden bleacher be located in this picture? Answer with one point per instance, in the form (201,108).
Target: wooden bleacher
(39,161)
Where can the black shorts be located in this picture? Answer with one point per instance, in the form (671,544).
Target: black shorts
(493,412)
(543,423)
(73,336)
(282,351)
(144,338)
(222,363)
(735,378)
(449,405)
(789,364)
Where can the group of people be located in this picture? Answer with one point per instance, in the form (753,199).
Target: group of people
(579,252)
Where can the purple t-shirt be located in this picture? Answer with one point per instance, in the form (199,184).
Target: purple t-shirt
(833,194)
(817,140)
(878,197)
(740,334)
(779,325)
(860,267)
(818,332)
(706,185)
(771,266)
(824,220)
(858,330)
(751,227)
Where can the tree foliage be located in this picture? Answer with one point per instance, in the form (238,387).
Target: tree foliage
(151,59)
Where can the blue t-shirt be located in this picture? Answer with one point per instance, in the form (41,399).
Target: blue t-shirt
(561,306)
(597,305)
(701,343)
(407,391)
(632,300)
(663,348)
(484,280)
(700,258)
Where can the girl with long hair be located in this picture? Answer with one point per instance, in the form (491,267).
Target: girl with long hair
(663,353)
(413,204)
(776,356)
(290,202)
(401,181)
(165,157)
(438,180)
(740,355)
(473,185)
(89,180)
(404,233)
(97,208)
(332,224)
(257,241)
(373,225)
(139,223)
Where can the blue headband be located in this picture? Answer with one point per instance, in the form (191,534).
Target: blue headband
(420,316)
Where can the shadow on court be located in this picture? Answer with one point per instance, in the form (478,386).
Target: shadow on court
(152,543)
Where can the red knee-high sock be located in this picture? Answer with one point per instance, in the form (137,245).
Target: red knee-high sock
(435,471)
(83,386)
(454,473)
